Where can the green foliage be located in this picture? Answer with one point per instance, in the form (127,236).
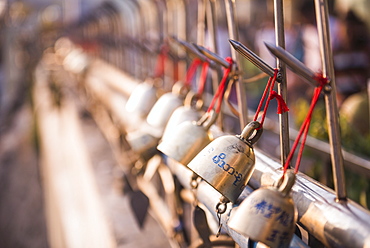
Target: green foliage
(358,186)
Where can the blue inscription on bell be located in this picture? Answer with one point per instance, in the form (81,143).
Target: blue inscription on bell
(220,162)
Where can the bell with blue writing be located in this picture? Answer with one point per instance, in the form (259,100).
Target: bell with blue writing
(227,163)
(268,214)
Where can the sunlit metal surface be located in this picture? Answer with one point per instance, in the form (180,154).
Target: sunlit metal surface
(335,224)
(213,56)
(252,57)
(296,65)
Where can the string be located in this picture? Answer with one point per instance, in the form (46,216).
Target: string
(161,61)
(203,78)
(221,88)
(262,99)
(303,131)
(191,71)
(282,107)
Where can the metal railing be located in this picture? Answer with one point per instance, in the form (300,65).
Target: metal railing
(325,215)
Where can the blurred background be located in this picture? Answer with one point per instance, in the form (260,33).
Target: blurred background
(128,36)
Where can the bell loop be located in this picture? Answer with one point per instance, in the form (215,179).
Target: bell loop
(157,82)
(199,104)
(251,133)
(193,100)
(288,180)
(179,88)
(221,207)
(194,186)
(194,182)
(207,120)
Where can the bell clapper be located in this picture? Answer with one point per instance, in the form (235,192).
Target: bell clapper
(221,208)
(194,186)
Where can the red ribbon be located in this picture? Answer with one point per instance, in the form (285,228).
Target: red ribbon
(191,71)
(282,107)
(221,88)
(203,78)
(303,131)
(161,61)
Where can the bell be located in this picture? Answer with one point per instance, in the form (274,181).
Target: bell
(227,163)
(165,106)
(268,215)
(142,142)
(142,99)
(188,112)
(188,139)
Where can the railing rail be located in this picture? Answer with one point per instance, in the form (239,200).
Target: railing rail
(335,224)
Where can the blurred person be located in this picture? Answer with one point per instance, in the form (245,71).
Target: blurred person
(304,45)
(351,57)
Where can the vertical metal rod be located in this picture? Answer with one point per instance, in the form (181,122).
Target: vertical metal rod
(145,13)
(240,88)
(282,86)
(137,33)
(330,99)
(201,21)
(171,28)
(211,16)
(212,24)
(181,33)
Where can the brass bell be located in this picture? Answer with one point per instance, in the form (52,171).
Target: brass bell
(227,163)
(188,139)
(142,99)
(268,214)
(189,112)
(142,143)
(165,106)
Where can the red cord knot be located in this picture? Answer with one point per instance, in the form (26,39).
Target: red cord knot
(282,106)
(230,61)
(319,77)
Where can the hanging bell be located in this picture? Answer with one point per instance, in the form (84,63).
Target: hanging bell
(191,111)
(227,163)
(188,139)
(142,99)
(165,106)
(268,214)
(143,142)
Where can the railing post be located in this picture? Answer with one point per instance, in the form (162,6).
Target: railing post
(282,87)
(330,99)
(240,89)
